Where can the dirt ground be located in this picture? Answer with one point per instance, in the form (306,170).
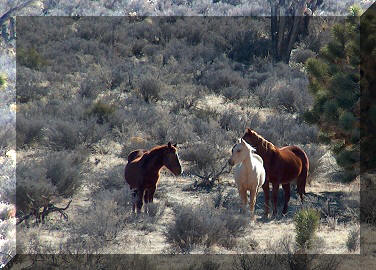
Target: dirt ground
(177,190)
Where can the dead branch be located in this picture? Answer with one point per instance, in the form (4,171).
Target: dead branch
(50,208)
(208,180)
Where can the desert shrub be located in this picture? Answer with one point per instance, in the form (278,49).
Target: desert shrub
(156,209)
(203,126)
(64,134)
(180,135)
(102,220)
(285,129)
(138,46)
(283,253)
(150,89)
(113,179)
(207,162)
(31,85)
(229,201)
(314,152)
(285,89)
(61,134)
(30,58)
(134,143)
(148,220)
(64,172)
(306,223)
(234,93)
(284,94)
(223,78)
(8,176)
(256,78)
(102,111)
(43,182)
(184,97)
(247,44)
(332,222)
(301,55)
(97,79)
(353,242)
(7,136)
(28,131)
(235,121)
(203,225)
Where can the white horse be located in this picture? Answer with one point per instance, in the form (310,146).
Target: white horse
(249,174)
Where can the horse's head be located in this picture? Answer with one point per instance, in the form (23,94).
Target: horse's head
(240,152)
(250,136)
(171,159)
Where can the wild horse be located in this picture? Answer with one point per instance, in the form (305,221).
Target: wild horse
(282,166)
(249,174)
(142,171)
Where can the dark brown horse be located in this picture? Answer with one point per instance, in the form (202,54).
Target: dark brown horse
(282,166)
(142,171)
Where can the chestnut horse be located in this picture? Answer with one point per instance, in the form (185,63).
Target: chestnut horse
(142,171)
(282,166)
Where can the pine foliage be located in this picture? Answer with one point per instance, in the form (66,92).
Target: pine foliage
(334,81)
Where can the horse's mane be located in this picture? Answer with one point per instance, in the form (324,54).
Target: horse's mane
(262,143)
(152,152)
(136,154)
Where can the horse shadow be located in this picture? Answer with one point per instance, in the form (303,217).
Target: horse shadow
(335,204)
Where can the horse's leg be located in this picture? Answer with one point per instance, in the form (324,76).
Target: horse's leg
(134,200)
(253,201)
(151,194)
(146,200)
(286,189)
(275,197)
(140,197)
(265,187)
(243,198)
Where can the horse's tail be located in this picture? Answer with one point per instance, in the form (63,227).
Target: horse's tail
(302,178)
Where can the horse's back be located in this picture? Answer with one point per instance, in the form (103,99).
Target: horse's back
(133,173)
(136,154)
(294,154)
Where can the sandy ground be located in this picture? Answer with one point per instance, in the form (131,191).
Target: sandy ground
(173,191)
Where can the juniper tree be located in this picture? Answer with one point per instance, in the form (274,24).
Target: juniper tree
(334,82)
(367,84)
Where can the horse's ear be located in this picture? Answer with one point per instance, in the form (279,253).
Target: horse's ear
(242,141)
(175,145)
(169,144)
(248,130)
